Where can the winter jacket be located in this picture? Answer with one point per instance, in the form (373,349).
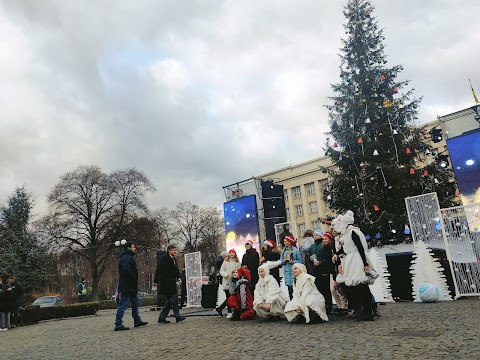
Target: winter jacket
(355,259)
(128,271)
(268,291)
(294,254)
(252,261)
(166,276)
(324,256)
(227,268)
(7,300)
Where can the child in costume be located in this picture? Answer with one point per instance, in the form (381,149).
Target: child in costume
(241,299)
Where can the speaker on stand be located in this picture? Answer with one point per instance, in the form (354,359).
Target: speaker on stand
(273,207)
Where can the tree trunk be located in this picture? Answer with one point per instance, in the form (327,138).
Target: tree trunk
(95,280)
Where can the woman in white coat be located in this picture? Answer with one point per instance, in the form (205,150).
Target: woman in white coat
(229,265)
(307,301)
(269,300)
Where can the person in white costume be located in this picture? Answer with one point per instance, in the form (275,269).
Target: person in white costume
(307,303)
(355,266)
(269,300)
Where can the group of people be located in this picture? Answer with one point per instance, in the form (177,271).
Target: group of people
(331,264)
(10,294)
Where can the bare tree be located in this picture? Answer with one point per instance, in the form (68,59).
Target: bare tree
(166,227)
(89,210)
(188,225)
(212,235)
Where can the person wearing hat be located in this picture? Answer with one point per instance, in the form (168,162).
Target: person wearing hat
(304,248)
(251,261)
(321,256)
(356,264)
(307,304)
(230,264)
(268,299)
(271,252)
(241,299)
(290,255)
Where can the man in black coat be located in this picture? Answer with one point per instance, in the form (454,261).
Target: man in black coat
(251,261)
(17,290)
(166,278)
(283,234)
(128,288)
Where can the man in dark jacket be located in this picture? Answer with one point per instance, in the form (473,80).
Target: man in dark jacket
(17,290)
(128,288)
(166,278)
(251,261)
(283,234)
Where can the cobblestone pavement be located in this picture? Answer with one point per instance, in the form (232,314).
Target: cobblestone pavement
(448,330)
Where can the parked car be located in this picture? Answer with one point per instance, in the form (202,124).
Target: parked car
(47,301)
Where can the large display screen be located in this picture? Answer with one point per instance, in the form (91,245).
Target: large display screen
(465,155)
(241,223)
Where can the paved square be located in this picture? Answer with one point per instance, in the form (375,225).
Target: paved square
(448,330)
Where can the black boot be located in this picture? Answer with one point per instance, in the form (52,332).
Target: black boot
(219,310)
(236,316)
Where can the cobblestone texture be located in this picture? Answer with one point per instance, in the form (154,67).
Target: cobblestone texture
(448,330)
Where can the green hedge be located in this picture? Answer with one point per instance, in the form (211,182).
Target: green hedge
(110,304)
(66,311)
(83,309)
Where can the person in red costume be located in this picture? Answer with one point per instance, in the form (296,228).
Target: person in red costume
(241,299)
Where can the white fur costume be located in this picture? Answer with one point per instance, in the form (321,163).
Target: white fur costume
(306,297)
(267,291)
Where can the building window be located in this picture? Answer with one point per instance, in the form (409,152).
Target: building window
(313,207)
(311,188)
(297,192)
(316,225)
(299,209)
(301,229)
(285,194)
(287,211)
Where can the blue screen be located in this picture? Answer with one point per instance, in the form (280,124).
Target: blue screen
(465,155)
(241,223)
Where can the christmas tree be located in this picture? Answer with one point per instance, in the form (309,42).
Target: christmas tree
(380,156)
(426,268)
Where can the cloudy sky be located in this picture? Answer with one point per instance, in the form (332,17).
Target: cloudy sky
(200,93)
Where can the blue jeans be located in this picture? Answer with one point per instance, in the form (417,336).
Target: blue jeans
(172,302)
(125,300)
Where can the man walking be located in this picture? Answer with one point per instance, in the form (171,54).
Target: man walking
(128,288)
(82,290)
(166,277)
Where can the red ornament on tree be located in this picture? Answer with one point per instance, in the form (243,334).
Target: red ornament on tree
(412,171)
(425,173)
(408,151)
(358,35)
(339,102)
(382,77)
(376,208)
(335,144)
(395,90)
(360,141)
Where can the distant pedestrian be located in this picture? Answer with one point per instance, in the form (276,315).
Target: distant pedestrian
(6,305)
(167,276)
(82,290)
(17,290)
(128,288)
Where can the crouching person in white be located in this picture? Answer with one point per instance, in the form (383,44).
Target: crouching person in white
(307,304)
(269,300)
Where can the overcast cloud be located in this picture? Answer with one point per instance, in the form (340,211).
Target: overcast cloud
(202,93)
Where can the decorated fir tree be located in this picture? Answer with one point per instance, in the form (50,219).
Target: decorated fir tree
(381,157)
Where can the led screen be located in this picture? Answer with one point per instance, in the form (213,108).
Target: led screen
(241,223)
(465,155)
